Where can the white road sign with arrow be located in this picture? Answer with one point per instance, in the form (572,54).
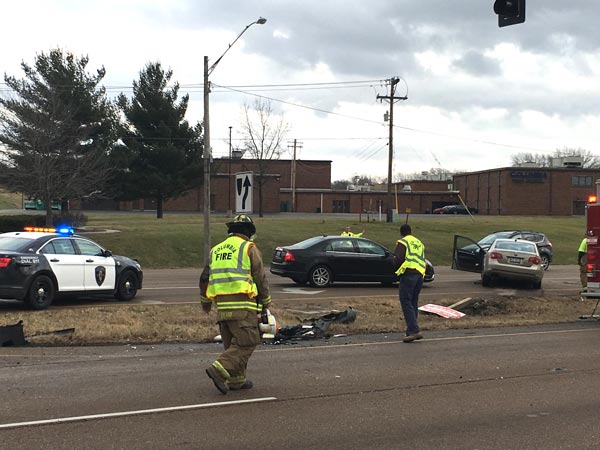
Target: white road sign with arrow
(243,192)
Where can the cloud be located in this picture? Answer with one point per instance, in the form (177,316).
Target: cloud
(473,88)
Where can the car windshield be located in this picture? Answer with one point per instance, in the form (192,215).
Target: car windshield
(490,238)
(13,243)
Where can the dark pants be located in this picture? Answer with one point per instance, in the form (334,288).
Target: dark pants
(240,338)
(409,289)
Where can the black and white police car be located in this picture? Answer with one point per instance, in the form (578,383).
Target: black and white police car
(38,264)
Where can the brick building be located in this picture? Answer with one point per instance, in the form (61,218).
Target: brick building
(310,192)
(528,190)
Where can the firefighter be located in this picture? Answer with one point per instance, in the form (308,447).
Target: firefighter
(347,232)
(235,281)
(582,261)
(409,255)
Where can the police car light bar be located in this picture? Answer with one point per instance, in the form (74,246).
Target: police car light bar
(67,231)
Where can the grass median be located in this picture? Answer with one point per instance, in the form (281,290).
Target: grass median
(151,324)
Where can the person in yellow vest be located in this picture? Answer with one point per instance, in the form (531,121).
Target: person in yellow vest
(347,232)
(409,257)
(235,281)
(582,261)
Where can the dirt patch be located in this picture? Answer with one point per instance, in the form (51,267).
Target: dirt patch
(121,324)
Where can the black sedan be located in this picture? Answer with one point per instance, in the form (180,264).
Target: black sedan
(37,265)
(321,260)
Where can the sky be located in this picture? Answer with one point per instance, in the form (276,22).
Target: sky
(476,94)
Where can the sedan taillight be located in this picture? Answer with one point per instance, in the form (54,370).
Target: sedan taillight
(288,256)
(495,255)
(4,262)
(534,260)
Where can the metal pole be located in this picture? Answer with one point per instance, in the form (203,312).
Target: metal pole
(229,177)
(207,150)
(206,156)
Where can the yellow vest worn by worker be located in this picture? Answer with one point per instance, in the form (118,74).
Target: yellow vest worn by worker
(583,246)
(415,255)
(350,233)
(230,274)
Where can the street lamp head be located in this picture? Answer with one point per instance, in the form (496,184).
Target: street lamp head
(261,21)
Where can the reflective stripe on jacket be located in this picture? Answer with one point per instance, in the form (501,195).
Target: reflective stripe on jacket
(415,255)
(230,274)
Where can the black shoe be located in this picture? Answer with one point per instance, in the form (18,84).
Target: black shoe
(412,337)
(213,374)
(247,385)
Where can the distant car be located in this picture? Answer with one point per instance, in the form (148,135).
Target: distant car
(37,265)
(513,259)
(455,209)
(469,255)
(322,260)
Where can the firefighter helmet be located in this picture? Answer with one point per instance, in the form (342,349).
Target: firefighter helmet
(242,221)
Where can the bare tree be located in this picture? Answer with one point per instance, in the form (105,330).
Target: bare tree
(264,131)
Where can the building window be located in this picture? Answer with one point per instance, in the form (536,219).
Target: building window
(581,181)
(341,206)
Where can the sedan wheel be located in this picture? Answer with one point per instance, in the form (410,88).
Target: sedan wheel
(126,287)
(486,281)
(41,293)
(320,276)
(545,261)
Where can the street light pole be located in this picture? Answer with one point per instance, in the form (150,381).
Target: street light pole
(207,154)
(229,177)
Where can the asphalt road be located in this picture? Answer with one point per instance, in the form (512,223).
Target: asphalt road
(181,285)
(518,388)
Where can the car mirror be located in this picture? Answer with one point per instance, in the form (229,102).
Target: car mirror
(107,253)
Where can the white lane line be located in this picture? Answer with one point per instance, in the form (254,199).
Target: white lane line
(169,288)
(132,413)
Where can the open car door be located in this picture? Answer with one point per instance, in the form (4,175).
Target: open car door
(467,255)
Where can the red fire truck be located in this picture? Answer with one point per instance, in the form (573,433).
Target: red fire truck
(593,248)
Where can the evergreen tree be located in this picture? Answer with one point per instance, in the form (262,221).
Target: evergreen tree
(162,158)
(57,129)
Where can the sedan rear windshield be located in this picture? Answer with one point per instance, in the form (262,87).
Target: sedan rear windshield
(307,242)
(516,246)
(13,243)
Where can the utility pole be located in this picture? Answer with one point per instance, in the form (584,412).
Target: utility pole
(393,82)
(229,177)
(295,146)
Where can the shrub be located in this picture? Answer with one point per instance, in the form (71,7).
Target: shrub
(17,223)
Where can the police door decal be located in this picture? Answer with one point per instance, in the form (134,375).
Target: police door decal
(100,273)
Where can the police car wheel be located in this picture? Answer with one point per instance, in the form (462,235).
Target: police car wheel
(41,293)
(126,287)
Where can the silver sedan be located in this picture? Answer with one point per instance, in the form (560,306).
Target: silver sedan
(515,259)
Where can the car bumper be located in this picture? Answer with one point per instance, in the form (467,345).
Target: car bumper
(287,272)
(534,275)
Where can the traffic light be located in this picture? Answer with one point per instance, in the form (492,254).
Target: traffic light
(510,12)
